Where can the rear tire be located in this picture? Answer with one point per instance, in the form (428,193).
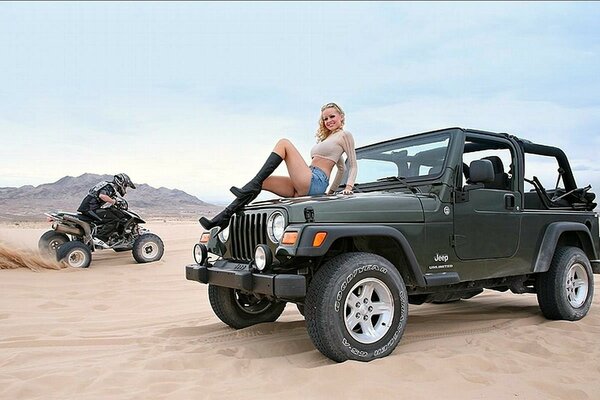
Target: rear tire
(239,310)
(148,248)
(566,290)
(75,254)
(50,241)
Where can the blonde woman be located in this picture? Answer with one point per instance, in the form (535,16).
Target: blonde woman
(332,142)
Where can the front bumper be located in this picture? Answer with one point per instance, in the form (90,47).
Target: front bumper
(239,276)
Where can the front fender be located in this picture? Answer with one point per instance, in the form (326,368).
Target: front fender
(335,232)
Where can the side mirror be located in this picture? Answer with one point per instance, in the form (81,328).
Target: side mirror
(481,171)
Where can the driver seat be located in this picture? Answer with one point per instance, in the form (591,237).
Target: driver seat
(500,177)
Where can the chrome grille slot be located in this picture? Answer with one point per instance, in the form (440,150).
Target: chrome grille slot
(247,231)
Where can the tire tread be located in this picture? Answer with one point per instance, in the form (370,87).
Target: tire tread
(222,302)
(550,291)
(64,249)
(318,321)
(139,241)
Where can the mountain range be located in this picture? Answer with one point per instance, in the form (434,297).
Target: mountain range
(29,203)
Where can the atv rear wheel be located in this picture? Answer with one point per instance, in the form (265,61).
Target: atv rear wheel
(240,310)
(50,241)
(148,248)
(75,254)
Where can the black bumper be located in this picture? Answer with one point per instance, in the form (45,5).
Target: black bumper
(239,276)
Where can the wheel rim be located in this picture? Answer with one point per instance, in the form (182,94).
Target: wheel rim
(369,310)
(77,258)
(54,243)
(577,285)
(149,250)
(250,304)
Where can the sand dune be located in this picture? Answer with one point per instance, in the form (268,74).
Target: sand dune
(125,330)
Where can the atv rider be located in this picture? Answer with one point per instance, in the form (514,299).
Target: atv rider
(102,204)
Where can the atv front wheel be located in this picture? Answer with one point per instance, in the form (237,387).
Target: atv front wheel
(50,241)
(240,310)
(148,248)
(356,307)
(75,254)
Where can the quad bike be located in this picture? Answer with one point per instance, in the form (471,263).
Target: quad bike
(73,238)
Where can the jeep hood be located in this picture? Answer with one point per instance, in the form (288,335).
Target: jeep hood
(379,207)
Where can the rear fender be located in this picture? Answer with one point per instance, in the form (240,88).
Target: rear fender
(561,231)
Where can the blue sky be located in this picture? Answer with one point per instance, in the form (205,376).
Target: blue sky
(192,95)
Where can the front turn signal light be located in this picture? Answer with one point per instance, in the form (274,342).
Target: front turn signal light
(319,239)
(289,238)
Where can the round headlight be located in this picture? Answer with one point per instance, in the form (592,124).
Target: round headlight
(224,235)
(276,226)
(262,256)
(200,253)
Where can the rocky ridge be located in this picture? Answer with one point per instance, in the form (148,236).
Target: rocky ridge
(29,203)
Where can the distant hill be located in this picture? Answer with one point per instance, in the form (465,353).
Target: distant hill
(29,203)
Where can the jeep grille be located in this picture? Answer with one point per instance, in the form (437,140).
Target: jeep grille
(247,231)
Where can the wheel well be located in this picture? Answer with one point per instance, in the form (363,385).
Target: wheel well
(576,239)
(383,246)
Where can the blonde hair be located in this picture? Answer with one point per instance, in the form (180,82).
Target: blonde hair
(322,131)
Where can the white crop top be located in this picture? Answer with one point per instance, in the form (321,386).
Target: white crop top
(332,149)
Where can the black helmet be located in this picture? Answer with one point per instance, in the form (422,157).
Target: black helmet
(122,181)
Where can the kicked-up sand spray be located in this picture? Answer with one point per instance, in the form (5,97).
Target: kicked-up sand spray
(15,258)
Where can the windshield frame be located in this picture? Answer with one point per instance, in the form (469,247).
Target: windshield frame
(434,136)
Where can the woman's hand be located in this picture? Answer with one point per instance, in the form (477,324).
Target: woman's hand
(347,190)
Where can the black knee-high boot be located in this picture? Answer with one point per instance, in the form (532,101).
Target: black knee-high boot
(254,187)
(222,219)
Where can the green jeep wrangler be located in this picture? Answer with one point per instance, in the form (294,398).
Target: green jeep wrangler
(435,217)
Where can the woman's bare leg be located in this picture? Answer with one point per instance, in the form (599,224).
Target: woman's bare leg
(300,174)
(280,185)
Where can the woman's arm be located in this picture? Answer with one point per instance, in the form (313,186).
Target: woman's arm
(348,146)
(338,175)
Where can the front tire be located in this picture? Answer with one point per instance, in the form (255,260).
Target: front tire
(566,290)
(148,248)
(75,254)
(240,310)
(50,241)
(356,307)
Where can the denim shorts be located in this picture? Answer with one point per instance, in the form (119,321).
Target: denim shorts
(318,181)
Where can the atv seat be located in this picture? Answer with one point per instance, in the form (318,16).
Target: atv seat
(83,217)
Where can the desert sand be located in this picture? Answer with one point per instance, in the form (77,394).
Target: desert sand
(125,330)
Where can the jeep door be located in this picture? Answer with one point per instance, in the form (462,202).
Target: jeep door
(487,220)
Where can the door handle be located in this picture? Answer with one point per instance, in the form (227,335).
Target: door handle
(509,201)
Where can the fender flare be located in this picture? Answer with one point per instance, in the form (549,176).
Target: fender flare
(335,232)
(553,232)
